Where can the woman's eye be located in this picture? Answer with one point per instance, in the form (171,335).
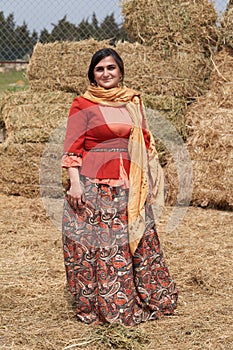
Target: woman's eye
(101,69)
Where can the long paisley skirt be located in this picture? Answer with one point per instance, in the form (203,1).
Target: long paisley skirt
(109,284)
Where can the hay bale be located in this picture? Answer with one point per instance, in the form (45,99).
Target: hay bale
(184,33)
(178,175)
(182,73)
(210,141)
(169,24)
(171,108)
(20,164)
(210,146)
(227,26)
(31,154)
(221,78)
(31,117)
(63,66)
(32,170)
(165,116)
(213,161)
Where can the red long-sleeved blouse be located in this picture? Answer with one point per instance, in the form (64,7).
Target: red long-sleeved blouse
(98,135)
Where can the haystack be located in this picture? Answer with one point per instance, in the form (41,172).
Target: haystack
(183,32)
(169,25)
(221,77)
(30,119)
(20,164)
(63,66)
(210,141)
(227,26)
(166,120)
(171,108)
(183,74)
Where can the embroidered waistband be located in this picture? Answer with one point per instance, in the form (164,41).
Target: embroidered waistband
(72,154)
(108,150)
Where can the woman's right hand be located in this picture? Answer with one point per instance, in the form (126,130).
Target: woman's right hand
(75,195)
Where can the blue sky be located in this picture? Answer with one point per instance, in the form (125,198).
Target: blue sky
(40,14)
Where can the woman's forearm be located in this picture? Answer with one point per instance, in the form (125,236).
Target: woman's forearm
(74,175)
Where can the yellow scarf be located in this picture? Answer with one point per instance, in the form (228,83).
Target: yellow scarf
(117,94)
(146,175)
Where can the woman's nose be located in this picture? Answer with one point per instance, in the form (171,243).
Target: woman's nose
(105,73)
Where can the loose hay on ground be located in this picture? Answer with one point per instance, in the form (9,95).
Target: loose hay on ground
(37,313)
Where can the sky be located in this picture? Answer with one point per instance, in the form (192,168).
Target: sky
(41,14)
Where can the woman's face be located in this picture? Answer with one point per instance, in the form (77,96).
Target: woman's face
(107,73)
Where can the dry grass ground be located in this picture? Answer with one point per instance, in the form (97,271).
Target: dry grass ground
(37,312)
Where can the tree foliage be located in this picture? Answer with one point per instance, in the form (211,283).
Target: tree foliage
(16,42)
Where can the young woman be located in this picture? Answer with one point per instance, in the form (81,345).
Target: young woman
(114,264)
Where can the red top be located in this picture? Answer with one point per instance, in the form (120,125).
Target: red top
(105,129)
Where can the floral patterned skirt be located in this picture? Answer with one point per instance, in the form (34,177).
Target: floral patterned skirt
(109,284)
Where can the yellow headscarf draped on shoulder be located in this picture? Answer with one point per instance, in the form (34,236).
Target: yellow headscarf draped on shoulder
(146,175)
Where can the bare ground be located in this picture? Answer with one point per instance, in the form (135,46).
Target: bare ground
(37,311)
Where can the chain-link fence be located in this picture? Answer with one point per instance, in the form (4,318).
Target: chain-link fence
(24,23)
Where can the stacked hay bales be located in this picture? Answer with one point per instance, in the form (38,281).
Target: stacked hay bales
(184,33)
(148,73)
(63,66)
(170,64)
(166,120)
(29,118)
(167,25)
(210,141)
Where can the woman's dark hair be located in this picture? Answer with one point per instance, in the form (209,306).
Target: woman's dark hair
(98,56)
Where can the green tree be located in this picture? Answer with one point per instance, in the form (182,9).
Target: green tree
(15,42)
(10,22)
(85,30)
(109,28)
(94,22)
(23,43)
(44,36)
(64,31)
(7,36)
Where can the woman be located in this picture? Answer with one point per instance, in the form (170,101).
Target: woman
(114,265)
